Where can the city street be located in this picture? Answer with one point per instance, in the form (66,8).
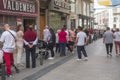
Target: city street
(98,67)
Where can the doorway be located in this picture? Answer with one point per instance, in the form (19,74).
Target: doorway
(42,24)
(27,22)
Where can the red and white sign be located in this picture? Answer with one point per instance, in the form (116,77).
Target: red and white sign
(17,7)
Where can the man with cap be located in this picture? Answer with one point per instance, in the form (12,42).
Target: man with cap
(30,41)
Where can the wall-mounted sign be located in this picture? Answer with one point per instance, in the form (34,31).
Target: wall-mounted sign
(60,6)
(17,6)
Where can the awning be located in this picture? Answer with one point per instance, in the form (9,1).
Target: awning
(18,13)
(109,2)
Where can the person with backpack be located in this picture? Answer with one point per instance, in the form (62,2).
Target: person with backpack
(8,38)
(51,42)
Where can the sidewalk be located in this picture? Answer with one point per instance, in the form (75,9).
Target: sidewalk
(24,73)
(98,67)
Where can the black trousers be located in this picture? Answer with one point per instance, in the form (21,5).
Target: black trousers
(109,47)
(50,47)
(81,50)
(30,52)
(57,48)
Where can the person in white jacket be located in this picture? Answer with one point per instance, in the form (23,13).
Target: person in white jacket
(117,42)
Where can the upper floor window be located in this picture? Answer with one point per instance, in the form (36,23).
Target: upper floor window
(73,0)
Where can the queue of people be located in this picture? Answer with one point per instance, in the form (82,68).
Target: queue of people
(62,40)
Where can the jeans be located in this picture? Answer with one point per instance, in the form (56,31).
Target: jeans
(57,48)
(30,51)
(51,46)
(80,50)
(109,47)
(62,48)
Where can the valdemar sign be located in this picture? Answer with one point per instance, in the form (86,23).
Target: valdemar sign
(18,6)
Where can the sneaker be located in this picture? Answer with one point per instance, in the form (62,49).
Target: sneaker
(9,75)
(72,52)
(86,58)
(51,58)
(79,59)
(117,55)
(110,55)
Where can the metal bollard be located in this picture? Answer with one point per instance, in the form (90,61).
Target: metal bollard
(3,72)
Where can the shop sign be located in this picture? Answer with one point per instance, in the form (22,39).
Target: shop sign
(62,4)
(18,6)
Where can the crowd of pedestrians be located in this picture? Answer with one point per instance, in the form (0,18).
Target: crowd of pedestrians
(62,40)
(111,37)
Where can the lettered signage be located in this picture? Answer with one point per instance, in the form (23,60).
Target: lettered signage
(19,6)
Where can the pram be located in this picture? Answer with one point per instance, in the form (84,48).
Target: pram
(43,51)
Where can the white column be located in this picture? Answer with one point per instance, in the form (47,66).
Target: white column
(38,19)
(110,24)
(68,22)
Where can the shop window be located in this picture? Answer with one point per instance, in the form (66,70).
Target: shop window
(55,20)
(11,20)
(1,24)
(73,23)
(115,19)
(1,20)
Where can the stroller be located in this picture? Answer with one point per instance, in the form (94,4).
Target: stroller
(43,51)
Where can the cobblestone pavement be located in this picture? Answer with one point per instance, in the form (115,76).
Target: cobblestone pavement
(98,67)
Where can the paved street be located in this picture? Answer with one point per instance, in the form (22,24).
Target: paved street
(98,67)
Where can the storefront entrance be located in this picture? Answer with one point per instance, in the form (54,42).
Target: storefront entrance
(27,22)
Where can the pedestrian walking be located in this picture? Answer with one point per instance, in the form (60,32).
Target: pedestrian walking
(46,32)
(57,50)
(30,41)
(81,41)
(67,37)
(71,39)
(108,40)
(62,41)
(8,39)
(19,44)
(51,42)
(117,41)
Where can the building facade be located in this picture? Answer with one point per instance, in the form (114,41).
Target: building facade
(14,12)
(116,17)
(84,11)
(54,13)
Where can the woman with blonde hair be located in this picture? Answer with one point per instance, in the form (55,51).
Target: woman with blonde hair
(19,44)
